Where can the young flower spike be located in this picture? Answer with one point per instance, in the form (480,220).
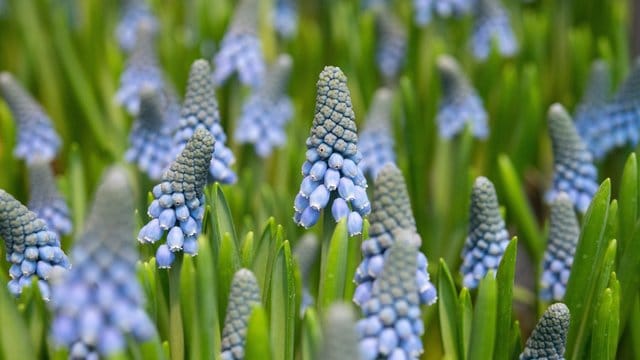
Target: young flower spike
(244,296)
(178,205)
(460,104)
(267,111)
(305,253)
(30,248)
(241,48)
(37,139)
(340,337)
(134,13)
(547,341)
(376,139)
(46,201)
(589,112)
(424,9)
(98,303)
(491,23)
(200,111)
(488,238)
(391,212)
(574,172)
(285,17)
(391,44)
(331,173)
(564,232)
(392,325)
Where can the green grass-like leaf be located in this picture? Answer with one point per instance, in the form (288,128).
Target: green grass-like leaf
(448,307)
(483,328)
(333,274)
(282,304)
(257,346)
(505,278)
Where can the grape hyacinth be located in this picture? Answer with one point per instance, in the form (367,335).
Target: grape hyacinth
(200,111)
(134,13)
(285,17)
(340,337)
(460,104)
(391,44)
(548,339)
(241,48)
(30,248)
(46,201)
(37,139)
(331,166)
(99,303)
(267,111)
(178,205)
(564,232)
(589,112)
(491,23)
(376,139)
(244,296)
(488,238)
(424,9)
(574,172)
(391,212)
(305,253)
(392,324)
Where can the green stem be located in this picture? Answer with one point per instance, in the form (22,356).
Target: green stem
(176,331)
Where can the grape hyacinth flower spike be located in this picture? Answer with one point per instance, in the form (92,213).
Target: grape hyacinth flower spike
(590,110)
(32,250)
(244,296)
(178,205)
(331,173)
(99,303)
(425,9)
(376,139)
(305,253)
(391,213)
(285,17)
(548,339)
(492,24)
(391,49)
(241,48)
(267,111)
(134,13)
(340,337)
(46,201)
(564,232)
(573,169)
(460,104)
(488,238)
(37,139)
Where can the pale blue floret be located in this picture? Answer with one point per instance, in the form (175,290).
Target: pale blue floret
(492,26)
(46,201)
(425,9)
(391,44)
(134,13)
(376,139)
(285,17)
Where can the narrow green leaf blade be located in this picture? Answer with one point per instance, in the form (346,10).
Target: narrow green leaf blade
(258,346)
(483,329)
(448,307)
(505,278)
(333,275)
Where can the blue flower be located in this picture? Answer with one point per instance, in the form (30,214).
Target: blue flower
(37,139)
(488,238)
(285,17)
(267,111)
(134,13)
(340,337)
(573,169)
(332,161)
(548,339)
(424,9)
(46,201)
(460,104)
(178,205)
(492,25)
(391,46)
(376,139)
(99,302)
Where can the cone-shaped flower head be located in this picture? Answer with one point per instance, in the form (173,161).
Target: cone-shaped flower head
(391,44)
(331,173)
(267,110)
(492,25)
(99,302)
(245,294)
(46,201)
(134,13)
(460,104)
(488,238)
(424,9)
(340,337)
(376,139)
(178,205)
(31,249)
(200,110)
(285,17)
(241,48)
(37,139)
(573,169)
(589,111)
(547,341)
(391,213)
(392,325)
(306,254)
(564,232)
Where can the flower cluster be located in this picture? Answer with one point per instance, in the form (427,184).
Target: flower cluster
(573,169)
(424,9)
(392,44)
(37,139)
(340,337)
(31,249)
(391,213)
(460,104)
(547,341)
(46,201)
(306,253)
(267,111)
(285,17)
(492,24)
(332,159)
(178,205)
(376,139)
(488,238)
(589,111)
(98,302)
(135,12)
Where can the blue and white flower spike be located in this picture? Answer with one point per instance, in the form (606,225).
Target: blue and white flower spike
(376,139)
(425,9)
(331,167)
(134,12)
(488,238)
(391,213)
(573,169)
(30,247)
(267,110)
(244,296)
(589,113)
(241,48)
(492,25)
(45,199)
(391,47)
(460,104)
(548,339)
(285,17)
(178,205)
(564,232)
(392,325)
(340,337)
(98,304)
(37,139)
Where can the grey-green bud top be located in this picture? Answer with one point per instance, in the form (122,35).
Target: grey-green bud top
(188,173)
(550,335)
